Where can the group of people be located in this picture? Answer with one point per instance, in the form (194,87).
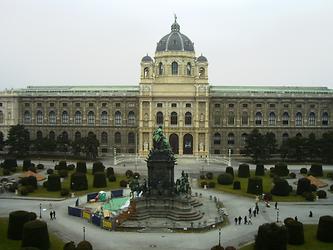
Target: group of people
(248,219)
(52,215)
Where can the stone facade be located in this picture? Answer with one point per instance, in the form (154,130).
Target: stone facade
(173,92)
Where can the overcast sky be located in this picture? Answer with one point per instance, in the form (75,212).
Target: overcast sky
(247,42)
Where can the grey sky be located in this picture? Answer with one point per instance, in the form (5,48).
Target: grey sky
(247,42)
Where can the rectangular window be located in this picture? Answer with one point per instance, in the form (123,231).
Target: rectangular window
(258,105)
(244,105)
(188,105)
(231,105)
(51,104)
(27,104)
(104,104)
(117,105)
(299,105)
(312,106)
(91,104)
(159,105)
(131,105)
(286,105)
(217,105)
(272,105)
(39,104)
(77,104)
(64,104)
(174,105)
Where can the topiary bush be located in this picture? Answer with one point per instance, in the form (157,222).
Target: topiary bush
(70,167)
(40,166)
(316,170)
(271,236)
(136,175)
(62,165)
(109,171)
(313,188)
(292,175)
(84,245)
(209,175)
(81,167)
(325,228)
(53,182)
(295,231)
(69,246)
(99,180)
(321,194)
(303,171)
(29,181)
(35,234)
(63,173)
(254,185)
(23,190)
(309,196)
(211,184)
(281,188)
(303,185)
(281,169)
(98,167)
(225,179)
(79,181)
(50,171)
(230,170)
(123,183)
(112,178)
(5,171)
(26,165)
(203,184)
(236,185)
(260,170)
(64,192)
(331,187)
(10,164)
(15,223)
(129,173)
(244,171)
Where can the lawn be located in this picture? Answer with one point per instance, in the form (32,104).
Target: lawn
(267,186)
(311,243)
(6,244)
(42,192)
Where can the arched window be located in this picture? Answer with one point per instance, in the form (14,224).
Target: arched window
(52,135)
(131,138)
(174,68)
(201,72)
(64,117)
(104,138)
(188,118)
(312,119)
(131,118)
(188,69)
(117,138)
(64,136)
(231,118)
(160,68)
(217,118)
(258,118)
(145,72)
(104,118)
(217,139)
(285,118)
(159,118)
(298,119)
(52,117)
(299,135)
(39,135)
(231,139)
(174,119)
(245,118)
(39,117)
(27,117)
(1,117)
(285,137)
(77,136)
(91,118)
(271,119)
(117,118)
(78,117)
(324,119)
(244,138)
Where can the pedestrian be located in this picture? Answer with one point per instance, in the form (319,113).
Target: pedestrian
(276,205)
(257,208)
(54,214)
(51,215)
(310,214)
(245,220)
(239,220)
(249,221)
(236,220)
(77,202)
(250,215)
(296,219)
(250,211)
(254,213)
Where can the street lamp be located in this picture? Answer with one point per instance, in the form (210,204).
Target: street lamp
(40,210)
(84,233)
(219,237)
(277,215)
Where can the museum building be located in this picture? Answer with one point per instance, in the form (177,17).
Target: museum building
(174,92)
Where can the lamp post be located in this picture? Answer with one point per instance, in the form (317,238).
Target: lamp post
(219,237)
(229,157)
(277,215)
(40,210)
(84,233)
(114,156)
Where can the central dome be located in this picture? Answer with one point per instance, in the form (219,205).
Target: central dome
(175,41)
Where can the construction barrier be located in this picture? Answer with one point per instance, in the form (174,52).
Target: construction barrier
(96,220)
(116,193)
(86,215)
(75,211)
(91,196)
(107,224)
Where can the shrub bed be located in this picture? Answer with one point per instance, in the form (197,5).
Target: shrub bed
(84,245)
(112,178)
(254,185)
(225,179)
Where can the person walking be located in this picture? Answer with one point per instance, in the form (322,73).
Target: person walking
(239,220)
(250,211)
(249,221)
(51,215)
(296,219)
(236,220)
(54,214)
(310,214)
(276,205)
(254,213)
(257,208)
(245,220)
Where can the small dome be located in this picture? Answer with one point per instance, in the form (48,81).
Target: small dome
(146,58)
(175,41)
(202,59)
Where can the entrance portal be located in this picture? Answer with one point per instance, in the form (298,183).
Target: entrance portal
(174,143)
(188,144)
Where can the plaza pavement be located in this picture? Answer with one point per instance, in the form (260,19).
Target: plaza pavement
(71,228)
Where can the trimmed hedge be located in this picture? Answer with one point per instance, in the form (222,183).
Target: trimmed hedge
(325,228)
(81,167)
(322,194)
(331,187)
(244,170)
(209,175)
(309,196)
(281,188)
(53,182)
(211,184)
(63,173)
(230,170)
(136,175)
(292,175)
(295,231)
(70,167)
(99,180)
(260,170)
(64,192)
(84,245)
(15,223)
(112,178)
(254,185)
(225,179)
(303,171)
(26,165)
(316,170)
(69,246)
(271,236)
(40,166)
(29,181)
(236,185)
(129,173)
(109,171)
(123,183)
(281,169)
(98,167)
(50,171)
(79,181)
(9,164)
(303,185)
(35,234)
